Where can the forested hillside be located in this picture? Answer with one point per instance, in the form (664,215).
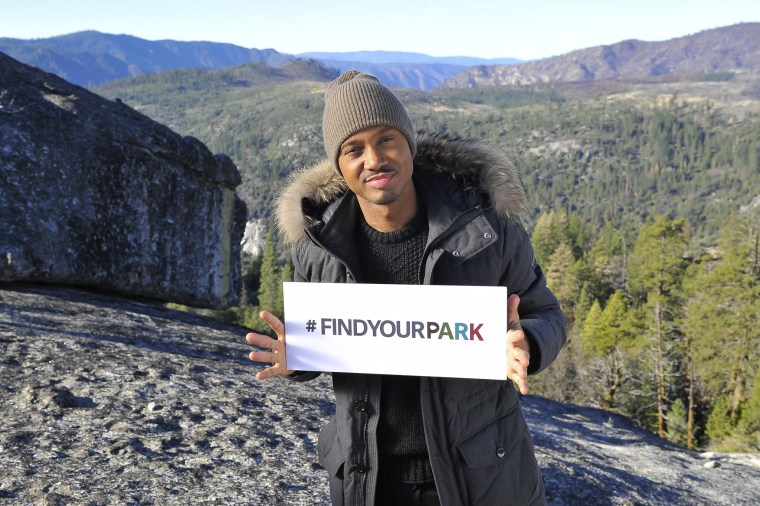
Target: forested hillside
(617,161)
(647,205)
(611,160)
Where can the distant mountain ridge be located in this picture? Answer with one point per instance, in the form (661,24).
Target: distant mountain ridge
(404,70)
(733,48)
(403,57)
(421,76)
(90,58)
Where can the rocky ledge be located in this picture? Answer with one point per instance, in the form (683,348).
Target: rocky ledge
(107,400)
(96,194)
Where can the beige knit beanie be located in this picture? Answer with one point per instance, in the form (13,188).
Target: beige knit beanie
(355,101)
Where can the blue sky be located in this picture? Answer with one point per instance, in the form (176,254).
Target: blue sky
(485,28)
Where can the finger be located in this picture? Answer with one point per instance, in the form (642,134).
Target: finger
(520,362)
(260,340)
(513,318)
(263,357)
(267,373)
(274,323)
(520,376)
(516,337)
(522,384)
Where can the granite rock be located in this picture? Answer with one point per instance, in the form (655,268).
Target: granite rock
(113,400)
(96,194)
(254,237)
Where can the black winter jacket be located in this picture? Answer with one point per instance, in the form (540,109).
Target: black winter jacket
(480,449)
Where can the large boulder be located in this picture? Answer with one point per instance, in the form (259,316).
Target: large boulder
(96,194)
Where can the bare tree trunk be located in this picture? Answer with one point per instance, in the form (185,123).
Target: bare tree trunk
(755,260)
(613,383)
(690,391)
(739,380)
(660,371)
(613,379)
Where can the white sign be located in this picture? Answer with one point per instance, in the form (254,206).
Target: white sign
(416,330)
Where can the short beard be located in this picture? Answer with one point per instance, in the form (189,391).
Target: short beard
(386,199)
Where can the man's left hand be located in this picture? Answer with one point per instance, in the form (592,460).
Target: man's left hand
(518,347)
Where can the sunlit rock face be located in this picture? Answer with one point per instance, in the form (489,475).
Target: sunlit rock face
(94,193)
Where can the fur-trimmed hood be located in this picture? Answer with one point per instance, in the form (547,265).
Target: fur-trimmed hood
(489,169)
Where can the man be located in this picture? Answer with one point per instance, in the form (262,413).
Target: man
(388,206)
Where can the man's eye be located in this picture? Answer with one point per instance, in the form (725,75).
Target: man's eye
(387,138)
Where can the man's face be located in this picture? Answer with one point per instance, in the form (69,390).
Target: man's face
(377,165)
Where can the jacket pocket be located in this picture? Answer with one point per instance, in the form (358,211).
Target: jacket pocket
(330,451)
(500,464)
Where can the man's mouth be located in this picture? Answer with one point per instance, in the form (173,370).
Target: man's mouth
(380,180)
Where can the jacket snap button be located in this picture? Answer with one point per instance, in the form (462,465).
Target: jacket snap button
(361,406)
(455,253)
(501,453)
(487,235)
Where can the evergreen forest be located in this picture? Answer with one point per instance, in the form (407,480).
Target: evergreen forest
(647,224)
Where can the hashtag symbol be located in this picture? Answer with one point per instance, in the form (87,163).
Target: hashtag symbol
(311,326)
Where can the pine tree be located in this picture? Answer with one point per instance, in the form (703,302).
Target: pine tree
(593,330)
(270,284)
(607,336)
(251,278)
(555,228)
(571,289)
(583,305)
(656,269)
(689,389)
(285,276)
(724,303)
(544,240)
(609,257)
(559,262)
(677,430)
(616,331)
(750,417)
(561,279)
(721,423)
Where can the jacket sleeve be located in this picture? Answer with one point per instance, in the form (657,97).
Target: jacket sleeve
(541,318)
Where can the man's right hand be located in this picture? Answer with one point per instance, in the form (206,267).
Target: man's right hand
(275,348)
(518,346)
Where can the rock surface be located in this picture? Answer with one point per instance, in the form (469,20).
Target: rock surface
(107,400)
(254,237)
(96,194)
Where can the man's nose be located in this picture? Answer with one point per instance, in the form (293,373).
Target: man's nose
(373,158)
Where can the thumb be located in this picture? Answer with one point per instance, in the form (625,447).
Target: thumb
(513,318)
